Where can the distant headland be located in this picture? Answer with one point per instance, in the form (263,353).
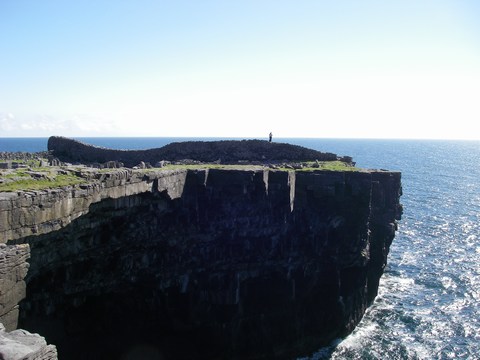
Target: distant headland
(222,151)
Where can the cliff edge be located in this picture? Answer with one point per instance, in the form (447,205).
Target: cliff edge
(211,263)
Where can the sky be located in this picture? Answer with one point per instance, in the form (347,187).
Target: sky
(221,68)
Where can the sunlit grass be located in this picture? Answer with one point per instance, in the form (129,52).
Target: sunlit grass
(23,181)
(330,166)
(49,177)
(306,166)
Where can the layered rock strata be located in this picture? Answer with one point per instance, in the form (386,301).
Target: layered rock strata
(207,263)
(17,344)
(13,269)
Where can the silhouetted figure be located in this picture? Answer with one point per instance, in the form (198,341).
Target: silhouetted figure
(270,137)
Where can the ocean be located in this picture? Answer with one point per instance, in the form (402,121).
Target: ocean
(428,305)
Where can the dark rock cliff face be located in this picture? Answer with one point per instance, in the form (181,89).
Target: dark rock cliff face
(210,264)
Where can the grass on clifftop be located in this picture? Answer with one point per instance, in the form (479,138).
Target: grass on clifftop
(306,166)
(331,166)
(51,177)
(21,180)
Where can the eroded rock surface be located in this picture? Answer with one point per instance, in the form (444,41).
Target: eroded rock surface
(206,263)
(22,345)
(17,344)
(13,269)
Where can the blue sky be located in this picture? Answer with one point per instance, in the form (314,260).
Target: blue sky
(365,69)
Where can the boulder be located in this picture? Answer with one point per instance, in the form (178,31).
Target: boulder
(22,345)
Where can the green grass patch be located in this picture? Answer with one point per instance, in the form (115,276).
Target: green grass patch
(16,174)
(21,179)
(209,166)
(29,183)
(307,166)
(331,166)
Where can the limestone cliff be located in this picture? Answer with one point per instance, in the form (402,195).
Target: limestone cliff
(212,263)
(17,344)
(21,345)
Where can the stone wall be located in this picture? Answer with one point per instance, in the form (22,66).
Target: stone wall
(230,151)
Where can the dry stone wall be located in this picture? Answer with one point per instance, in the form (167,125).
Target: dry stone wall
(227,152)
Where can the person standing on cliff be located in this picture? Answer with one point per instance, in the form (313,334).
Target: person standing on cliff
(270,137)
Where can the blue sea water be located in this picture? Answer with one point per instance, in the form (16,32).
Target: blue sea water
(428,305)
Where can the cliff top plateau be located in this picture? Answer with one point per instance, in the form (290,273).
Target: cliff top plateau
(72,163)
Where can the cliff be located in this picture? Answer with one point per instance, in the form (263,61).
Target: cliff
(212,263)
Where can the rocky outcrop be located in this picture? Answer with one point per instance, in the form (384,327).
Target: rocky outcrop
(22,345)
(13,269)
(226,152)
(37,212)
(207,263)
(17,344)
